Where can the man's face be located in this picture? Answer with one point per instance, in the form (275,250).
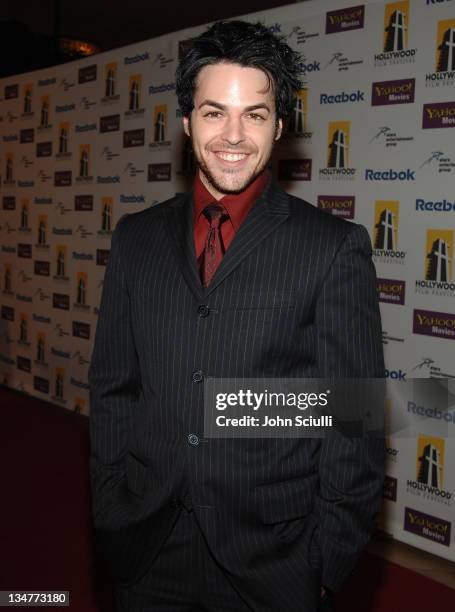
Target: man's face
(233,126)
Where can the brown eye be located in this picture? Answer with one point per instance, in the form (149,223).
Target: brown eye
(256,117)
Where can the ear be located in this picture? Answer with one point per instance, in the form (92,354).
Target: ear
(279,129)
(186,126)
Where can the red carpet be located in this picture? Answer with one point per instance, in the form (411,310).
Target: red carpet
(46,534)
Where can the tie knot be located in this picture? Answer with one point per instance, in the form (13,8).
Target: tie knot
(216,214)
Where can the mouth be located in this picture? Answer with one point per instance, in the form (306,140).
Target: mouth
(231,158)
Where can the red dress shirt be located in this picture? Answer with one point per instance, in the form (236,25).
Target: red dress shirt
(237,206)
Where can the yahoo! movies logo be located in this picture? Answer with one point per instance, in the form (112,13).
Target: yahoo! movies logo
(395,48)
(444,73)
(339,206)
(344,20)
(294,169)
(338,152)
(436,324)
(437,270)
(391,291)
(386,222)
(438,115)
(427,526)
(393,92)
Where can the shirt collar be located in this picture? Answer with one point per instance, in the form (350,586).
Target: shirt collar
(237,205)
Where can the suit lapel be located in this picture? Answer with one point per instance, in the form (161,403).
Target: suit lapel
(270,210)
(178,217)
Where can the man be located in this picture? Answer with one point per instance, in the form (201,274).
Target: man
(234,279)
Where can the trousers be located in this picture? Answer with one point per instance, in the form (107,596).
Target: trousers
(184,577)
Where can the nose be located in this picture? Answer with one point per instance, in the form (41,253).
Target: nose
(233,132)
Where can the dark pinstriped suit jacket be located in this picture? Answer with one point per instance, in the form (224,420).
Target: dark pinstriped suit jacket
(294,296)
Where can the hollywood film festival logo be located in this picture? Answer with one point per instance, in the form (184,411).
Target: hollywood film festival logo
(84,167)
(338,152)
(45,124)
(159,139)
(444,74)
(298,121)
(41,237)
(8,177)
(106,217)
(63,141)
(429,481)
(386,222)
(135,109)
(395,48)
(437,267)
(110,93)
(27,110)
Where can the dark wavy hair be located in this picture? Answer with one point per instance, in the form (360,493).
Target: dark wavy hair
(250,45)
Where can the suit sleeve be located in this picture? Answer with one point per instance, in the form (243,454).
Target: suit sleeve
(351,469)
(114,381)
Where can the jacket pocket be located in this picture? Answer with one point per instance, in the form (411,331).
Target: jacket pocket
(137,475)
(286,500)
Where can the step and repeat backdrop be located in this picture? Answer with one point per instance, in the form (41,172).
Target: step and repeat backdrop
(369,140)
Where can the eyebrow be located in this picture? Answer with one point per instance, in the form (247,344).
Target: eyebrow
(224,107)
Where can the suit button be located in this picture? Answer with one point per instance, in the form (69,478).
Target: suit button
(203,311)
(197,376)
(193,439)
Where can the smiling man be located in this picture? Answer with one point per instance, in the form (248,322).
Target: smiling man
(232,127)
(236,279)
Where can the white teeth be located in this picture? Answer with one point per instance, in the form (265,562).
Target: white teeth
(232,157)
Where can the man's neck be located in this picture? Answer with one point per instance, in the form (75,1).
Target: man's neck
(210,188)
(218,195)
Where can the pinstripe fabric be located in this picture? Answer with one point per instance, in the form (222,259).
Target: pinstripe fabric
(294,296)
(183,578)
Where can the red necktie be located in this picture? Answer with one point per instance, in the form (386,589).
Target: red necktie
(214,248)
